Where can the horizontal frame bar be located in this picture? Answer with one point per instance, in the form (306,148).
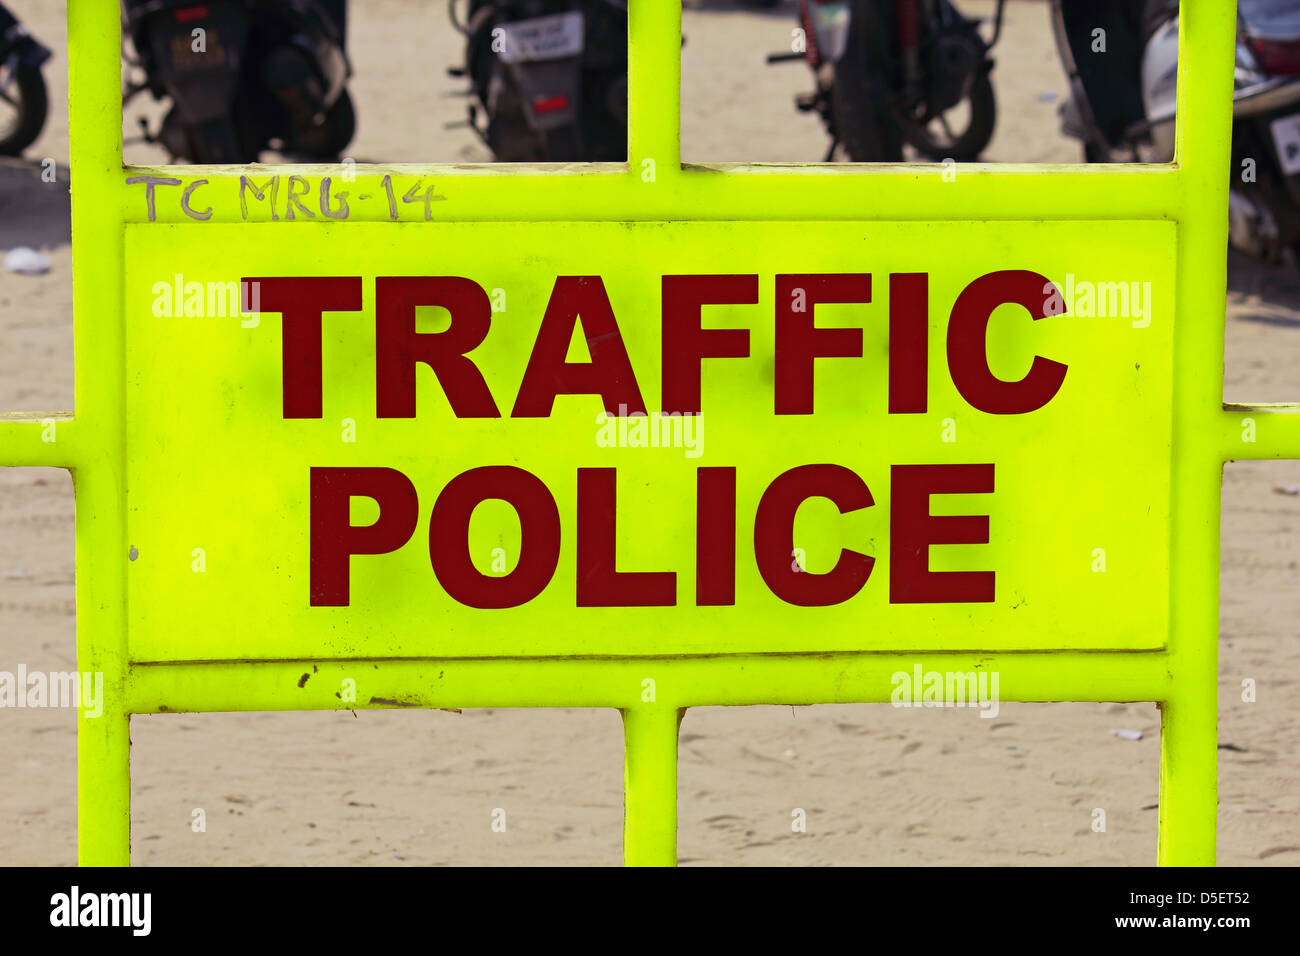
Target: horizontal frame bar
(1262,431)
(736,680)
(734,192)
(40,438)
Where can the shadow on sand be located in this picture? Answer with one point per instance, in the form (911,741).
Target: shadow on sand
(33,212)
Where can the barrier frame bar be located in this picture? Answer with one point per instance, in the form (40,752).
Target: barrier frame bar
(654,185)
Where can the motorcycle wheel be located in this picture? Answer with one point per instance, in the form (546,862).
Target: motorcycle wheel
(561,145)
(864,125)
(967,146)
(327,141)
(26,93)
(1093,154)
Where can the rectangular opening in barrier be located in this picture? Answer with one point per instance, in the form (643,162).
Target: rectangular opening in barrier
(40,685)
(380,788)
(1262,336)
(863,81)
(35,286)
(1259,664)
(526,81)
(876,784)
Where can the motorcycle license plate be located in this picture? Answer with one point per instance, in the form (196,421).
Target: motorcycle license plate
(1286,138)
(543,38)
(184,55)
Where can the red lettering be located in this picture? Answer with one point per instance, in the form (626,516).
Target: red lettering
(798,340)
(967,344)
(398,347)
(608,374)
(300,302)
(715,537)
(334,539)
(774,535)
(600,584)
(539,525)
(685,344)
(912,530)
(909,348)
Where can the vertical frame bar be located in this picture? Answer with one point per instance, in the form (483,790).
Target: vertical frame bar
(654,152)
(654,89)
(95,131)
(650,785)
(1189,719)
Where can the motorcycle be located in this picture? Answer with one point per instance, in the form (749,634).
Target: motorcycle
(1123,110)
(550,77)
(243,76)
(23,99)
(890,72)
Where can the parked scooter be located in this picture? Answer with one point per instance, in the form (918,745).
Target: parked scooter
(244,76)
(896,71)
(550,77)
(23,99)
(1122,104)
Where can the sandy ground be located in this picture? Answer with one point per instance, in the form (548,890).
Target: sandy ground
(878,785)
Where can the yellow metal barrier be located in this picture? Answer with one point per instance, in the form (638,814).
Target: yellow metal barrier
(178,446)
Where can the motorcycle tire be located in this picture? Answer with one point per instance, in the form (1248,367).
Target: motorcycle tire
(326,142)
(479,57)
(33,104)
(979,131)
(864,124)
(1093,154)
(561,145)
